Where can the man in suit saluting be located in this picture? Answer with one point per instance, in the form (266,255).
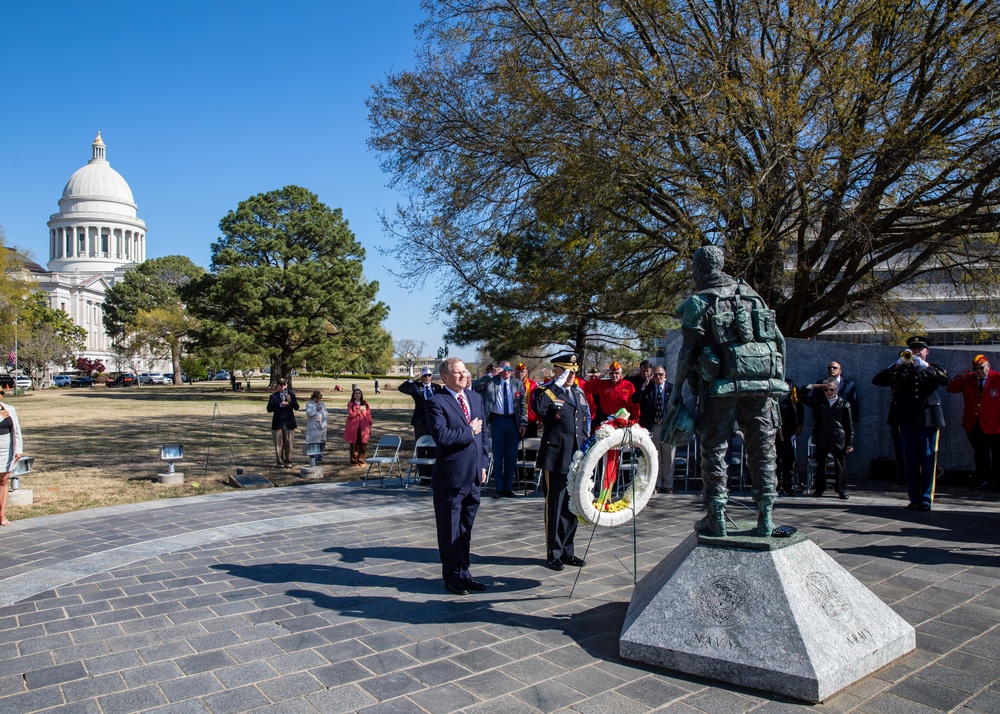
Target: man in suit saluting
(455,421)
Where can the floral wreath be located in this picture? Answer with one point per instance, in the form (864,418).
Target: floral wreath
(604,511)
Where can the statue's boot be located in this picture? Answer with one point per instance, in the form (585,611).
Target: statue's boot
(765,526)
(714,522)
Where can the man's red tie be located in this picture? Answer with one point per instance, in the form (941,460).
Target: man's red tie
(465,409)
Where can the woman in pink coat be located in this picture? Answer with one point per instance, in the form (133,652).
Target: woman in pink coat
(359,427)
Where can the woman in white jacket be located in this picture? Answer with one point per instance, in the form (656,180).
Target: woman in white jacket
(316,424)
(11,448)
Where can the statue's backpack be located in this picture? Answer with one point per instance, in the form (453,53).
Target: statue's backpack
(746,339)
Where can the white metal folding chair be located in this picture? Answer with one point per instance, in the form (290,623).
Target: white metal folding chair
(812,466)
(527,452)
(381,456)
(424,444)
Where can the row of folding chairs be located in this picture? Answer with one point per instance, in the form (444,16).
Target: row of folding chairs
(387,454)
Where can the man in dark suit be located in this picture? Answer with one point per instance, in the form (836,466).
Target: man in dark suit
(420,391)
(455,420)
(916,411)
(282,405)
(562,405)
(506,421)
(652,397)
(980,387)
(846,389)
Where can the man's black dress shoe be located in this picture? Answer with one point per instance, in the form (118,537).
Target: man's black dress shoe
(574,561)
(457,587)
(817,494)
(912,506)
(554,565)
(925,507)
(508,494)
(843,496)
(473,585)
(497,494)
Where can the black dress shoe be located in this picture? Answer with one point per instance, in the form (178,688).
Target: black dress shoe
(843,496)
(473,585)
(924,507)
(497,494)
(509,494)
(912,506)
(574,561)
(817,494)
(554,565)
(456,587)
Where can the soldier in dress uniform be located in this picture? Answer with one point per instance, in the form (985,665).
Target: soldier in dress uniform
(562,407)
(916,411)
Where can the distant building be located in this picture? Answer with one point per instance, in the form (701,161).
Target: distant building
(401,370)
(93,239)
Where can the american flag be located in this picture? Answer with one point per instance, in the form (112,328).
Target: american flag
(12,358)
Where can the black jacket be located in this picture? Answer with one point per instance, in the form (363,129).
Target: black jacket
(416,391)
(915,401)
(846,390)
(282,416)
(833,428)
(565,426)
(646,399)
(792,412)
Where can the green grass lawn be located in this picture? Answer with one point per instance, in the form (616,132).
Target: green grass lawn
(100,447)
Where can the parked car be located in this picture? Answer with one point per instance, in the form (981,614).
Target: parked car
(82,381)
(184,378)
(23,382)
(150,378)
(62,380)
(221,374)
(122,380)
(6,381)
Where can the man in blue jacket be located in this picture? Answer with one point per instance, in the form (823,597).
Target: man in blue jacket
(455,420)
(506,421)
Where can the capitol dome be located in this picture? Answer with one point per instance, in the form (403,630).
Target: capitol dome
(97,228)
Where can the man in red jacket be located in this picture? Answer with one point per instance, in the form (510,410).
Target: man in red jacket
(980,386)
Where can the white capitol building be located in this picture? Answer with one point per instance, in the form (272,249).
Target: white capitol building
(93,239)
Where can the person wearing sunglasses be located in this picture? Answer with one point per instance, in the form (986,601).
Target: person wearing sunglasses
(506,422)
(833,434)
(980,388)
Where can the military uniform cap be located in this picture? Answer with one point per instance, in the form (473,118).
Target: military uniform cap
(918,342)
(566,361)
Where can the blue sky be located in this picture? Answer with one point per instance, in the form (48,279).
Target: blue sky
(201,105)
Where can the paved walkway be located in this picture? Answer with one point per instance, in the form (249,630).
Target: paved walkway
(327,598)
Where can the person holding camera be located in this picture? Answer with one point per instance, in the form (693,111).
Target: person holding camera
(917,413)
(282,406)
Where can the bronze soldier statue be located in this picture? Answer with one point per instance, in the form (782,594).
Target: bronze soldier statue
(733,357)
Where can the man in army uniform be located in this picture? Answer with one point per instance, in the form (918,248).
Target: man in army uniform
(917,413)
(562,407)
(733,357)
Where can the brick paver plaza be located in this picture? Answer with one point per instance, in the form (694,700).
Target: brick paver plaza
(328,598)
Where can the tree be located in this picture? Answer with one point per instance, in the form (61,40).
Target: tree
(45,336)
(836,150)
(13,289)
(287,280)
(408,351)
(90,366)
(144,313)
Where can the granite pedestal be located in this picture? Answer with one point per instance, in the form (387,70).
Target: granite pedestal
(779,615)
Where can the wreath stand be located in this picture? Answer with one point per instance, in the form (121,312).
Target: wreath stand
(605,512)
